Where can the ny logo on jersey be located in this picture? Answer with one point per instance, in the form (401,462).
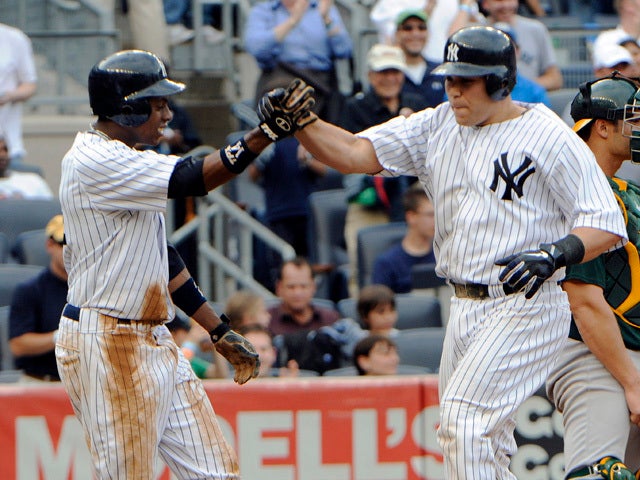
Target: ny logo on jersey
(452,52)
(513,183)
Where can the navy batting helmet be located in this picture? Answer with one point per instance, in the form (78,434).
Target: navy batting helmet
(121,84)
(481,52)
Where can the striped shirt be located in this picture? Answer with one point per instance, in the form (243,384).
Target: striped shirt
(498,189)
(113,200)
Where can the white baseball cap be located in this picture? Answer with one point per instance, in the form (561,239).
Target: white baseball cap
(383,57)
(609,56)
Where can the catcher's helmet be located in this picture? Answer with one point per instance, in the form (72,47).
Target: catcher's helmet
(481,51)
(602,98)
(121,84)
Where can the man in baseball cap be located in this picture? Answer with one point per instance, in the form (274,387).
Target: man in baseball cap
(35,312)
(609,58)
(55,229)
(371,201)
(411,37)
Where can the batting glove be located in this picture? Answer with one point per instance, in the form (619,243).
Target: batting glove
(528,270)
(282,112)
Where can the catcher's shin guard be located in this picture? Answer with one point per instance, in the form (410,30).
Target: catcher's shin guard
(610,468)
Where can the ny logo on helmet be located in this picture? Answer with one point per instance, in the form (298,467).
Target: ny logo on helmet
(452,52)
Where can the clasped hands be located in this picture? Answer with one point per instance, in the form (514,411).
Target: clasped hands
(283,111)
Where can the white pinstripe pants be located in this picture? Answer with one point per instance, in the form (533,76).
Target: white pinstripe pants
(497,352)
(137,397)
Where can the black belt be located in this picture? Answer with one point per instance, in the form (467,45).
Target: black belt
(477,291)
(73,312)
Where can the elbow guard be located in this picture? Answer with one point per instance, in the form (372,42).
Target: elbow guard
(176,264)
(187,179)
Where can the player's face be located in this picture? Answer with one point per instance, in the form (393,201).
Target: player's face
(387,83)
(468,97)
(412,36)
(150,132)
(620,143)
(383,359)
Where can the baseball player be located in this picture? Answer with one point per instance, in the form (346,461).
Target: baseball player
(596,382)
(503,177)
(133,391)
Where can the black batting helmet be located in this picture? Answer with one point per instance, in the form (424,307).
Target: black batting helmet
(481,51)
(121,84)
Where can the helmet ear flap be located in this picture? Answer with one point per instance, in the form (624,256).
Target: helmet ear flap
(497,87)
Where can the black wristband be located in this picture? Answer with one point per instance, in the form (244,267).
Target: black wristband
(566,251)
(237,157)
(188,297)
(219,332)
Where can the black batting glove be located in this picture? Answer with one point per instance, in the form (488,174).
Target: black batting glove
(283,111)
(529,270)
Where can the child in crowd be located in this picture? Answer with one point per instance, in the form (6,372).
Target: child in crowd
(246,308)
(262,341)
(376,355)
(377,310)
(180,328)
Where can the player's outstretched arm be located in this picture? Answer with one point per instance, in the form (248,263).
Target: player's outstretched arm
(286,111)
(339,148)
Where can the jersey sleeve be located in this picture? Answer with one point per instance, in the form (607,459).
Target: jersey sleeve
(120,178)
(582,190)
(396,145)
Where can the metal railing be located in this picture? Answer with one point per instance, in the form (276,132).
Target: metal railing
(225,235)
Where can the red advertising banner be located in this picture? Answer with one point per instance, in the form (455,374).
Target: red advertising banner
(301,429)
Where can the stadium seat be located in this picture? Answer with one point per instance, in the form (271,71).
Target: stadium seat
(328,213)
(11,275)
(4,248)
(20,215)
(414,310)
(424,276)
(560,99)
(372,241)
(327,245)
(421,347)
(29,248)
(6,357)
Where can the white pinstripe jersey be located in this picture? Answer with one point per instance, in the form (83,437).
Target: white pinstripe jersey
(497,189)
(113,200)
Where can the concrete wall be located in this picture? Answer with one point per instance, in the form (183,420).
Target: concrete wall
(47,138)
